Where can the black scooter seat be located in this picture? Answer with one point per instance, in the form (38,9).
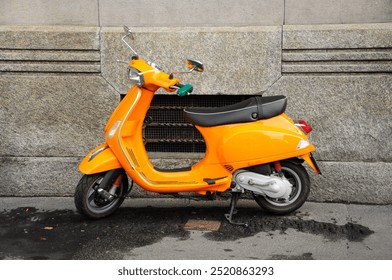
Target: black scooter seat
(249,110)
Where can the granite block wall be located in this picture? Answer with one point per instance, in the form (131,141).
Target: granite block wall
(59,80)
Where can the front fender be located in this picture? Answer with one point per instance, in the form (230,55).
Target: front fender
(98,160)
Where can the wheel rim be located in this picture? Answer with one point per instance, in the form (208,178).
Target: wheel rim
(295,180)
(96,203)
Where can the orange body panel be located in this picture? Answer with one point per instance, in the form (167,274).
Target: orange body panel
(243,145)
(103,161)
(229,147)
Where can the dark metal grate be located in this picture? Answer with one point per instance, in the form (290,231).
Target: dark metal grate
(166,129)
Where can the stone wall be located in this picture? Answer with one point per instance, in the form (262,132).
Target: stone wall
(197,13)
(59,80)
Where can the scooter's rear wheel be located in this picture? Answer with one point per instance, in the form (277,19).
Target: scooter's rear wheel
(91,203)
(299,178)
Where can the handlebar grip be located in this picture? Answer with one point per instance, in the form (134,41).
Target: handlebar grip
(184,90)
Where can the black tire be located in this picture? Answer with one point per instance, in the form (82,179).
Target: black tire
(90,203)
(299,178)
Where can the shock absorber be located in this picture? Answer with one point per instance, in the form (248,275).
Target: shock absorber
(116,184)
(278,168)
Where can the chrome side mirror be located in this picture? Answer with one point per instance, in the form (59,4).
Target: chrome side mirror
(128,33)
(195,65)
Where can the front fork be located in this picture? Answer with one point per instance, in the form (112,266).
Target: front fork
(113,179)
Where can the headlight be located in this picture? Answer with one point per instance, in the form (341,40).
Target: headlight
(135,76)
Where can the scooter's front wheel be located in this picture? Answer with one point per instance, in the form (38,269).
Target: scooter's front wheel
(93,200)
(299,178)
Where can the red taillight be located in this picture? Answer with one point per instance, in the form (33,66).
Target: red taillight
(304,126)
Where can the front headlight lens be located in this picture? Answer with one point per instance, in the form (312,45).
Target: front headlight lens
(135,76)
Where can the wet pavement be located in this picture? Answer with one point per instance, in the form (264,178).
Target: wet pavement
(50,228)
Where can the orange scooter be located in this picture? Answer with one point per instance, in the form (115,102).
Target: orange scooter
(251,146)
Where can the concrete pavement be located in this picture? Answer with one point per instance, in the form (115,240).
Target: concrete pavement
(49,228)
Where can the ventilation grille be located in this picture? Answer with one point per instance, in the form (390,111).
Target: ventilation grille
(229,168)
(133,157)
(166,129)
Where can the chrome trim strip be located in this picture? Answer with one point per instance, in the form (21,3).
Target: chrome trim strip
(97,152)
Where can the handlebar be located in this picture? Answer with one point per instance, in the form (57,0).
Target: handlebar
(145,70)
(177,86)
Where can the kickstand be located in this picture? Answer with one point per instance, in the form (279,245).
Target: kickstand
(235,196)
